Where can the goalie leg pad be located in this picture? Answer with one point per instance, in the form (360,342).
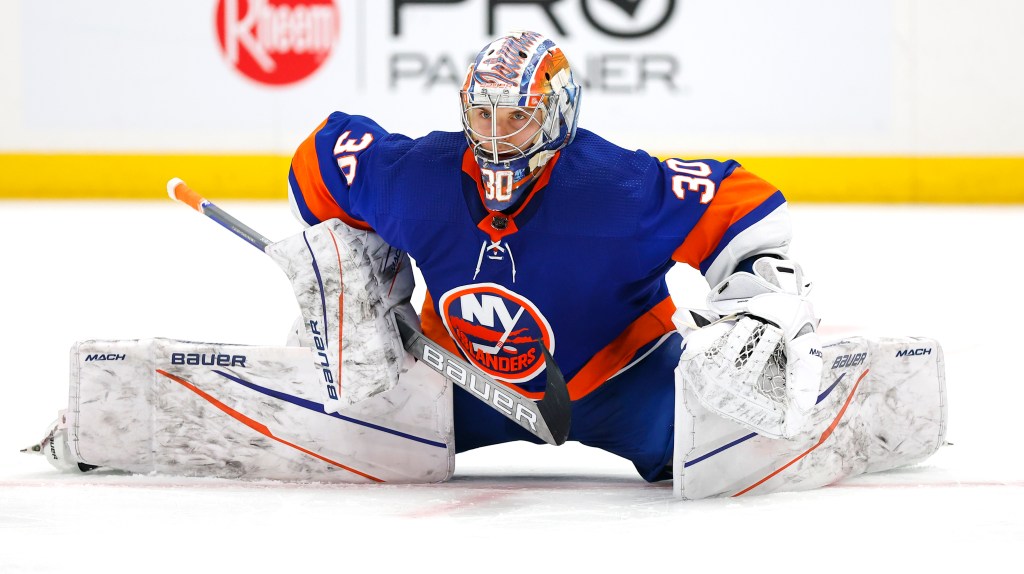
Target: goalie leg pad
(194,409)
(881,405)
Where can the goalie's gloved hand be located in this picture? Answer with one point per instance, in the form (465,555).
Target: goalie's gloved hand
(775,292)
(760,364)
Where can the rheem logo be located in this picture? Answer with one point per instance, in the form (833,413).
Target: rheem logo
(498,330)
(277,42)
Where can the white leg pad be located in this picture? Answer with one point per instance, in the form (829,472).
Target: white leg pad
(203,409)
(881,405)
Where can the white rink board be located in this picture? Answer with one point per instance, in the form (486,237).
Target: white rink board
(157,269)
(778,77)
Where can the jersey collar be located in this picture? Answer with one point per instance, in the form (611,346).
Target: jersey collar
(497,224)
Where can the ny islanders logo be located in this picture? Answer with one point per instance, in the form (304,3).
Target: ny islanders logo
(497,329)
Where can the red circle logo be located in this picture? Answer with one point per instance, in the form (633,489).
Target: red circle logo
(498,330)
(277,42)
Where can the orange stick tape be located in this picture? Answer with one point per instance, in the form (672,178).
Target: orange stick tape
(188,196)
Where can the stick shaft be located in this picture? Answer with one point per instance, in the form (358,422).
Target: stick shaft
(180,191)
(548,419)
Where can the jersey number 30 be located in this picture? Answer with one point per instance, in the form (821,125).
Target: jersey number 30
(695,179)
(497,184)
(343,150)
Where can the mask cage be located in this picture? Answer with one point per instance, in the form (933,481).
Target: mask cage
(542,112)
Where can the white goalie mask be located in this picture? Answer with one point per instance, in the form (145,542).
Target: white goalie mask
(520,103)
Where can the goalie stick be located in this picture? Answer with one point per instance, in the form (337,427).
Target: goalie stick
(548,419)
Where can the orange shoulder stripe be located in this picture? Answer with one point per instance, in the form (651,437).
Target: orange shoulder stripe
(737,195)
(306,167)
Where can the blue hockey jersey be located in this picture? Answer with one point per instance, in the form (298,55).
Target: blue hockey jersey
(580,264)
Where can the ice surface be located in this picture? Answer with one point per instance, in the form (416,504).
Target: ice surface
(74,271)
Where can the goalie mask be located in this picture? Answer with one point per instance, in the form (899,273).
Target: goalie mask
(519,106)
